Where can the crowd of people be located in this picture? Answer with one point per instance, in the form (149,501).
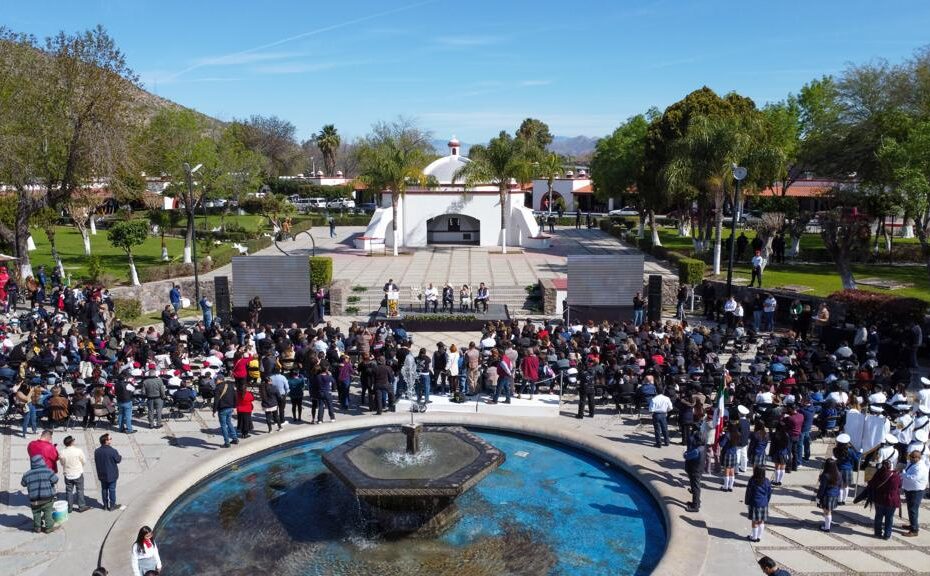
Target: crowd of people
(747,399)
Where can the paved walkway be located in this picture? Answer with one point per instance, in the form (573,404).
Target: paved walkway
(792,537)
(455,264)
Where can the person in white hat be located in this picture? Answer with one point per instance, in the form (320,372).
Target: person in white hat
(914,482)
(923,395)
(745,431)
(846,459)
(888,451)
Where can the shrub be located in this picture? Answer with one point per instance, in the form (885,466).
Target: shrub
(605,225)
(354,299)
(690,271)
(321,270)
(359,289)
(883,310)
(351,310)
(616,231)
(127,309)
(94,268)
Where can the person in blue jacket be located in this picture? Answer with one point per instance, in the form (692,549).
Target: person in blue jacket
(828,492)
(809,411)
(847,458)
(729,445)
(758,494)
(758,446)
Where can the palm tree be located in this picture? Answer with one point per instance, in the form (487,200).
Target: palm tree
(702,160)
(327,140)
(550,168)
(392,158)
(503,159)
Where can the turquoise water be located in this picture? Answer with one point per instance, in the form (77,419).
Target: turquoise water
(548,509)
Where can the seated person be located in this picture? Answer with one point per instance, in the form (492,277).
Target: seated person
(430,298)
(482,298)
(185,395)
(448,298)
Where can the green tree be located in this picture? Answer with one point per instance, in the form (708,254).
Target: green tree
(503,159)
(549,168)
(392,157)
(162,220)
(127,234)
(66,111)
(327,140)
(273,139)
(535,134)
(47,219)
(618,164)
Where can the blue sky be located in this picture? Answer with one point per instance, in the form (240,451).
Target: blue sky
(475,67)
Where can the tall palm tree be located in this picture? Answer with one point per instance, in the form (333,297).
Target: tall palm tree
(549,167)
(327,140)
(391,159)
(703,159)
(503,159)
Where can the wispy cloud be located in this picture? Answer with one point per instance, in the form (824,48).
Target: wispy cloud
(239,59)
(466,41)
(535,82)
(309,33)
(303,67)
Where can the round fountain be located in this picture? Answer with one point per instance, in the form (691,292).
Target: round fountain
(408,477)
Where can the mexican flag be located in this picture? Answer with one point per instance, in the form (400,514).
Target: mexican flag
(719,410)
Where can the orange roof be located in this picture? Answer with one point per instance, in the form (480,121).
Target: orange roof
(804,189)
(586,189)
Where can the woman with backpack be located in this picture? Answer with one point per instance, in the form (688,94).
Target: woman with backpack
(758,494)
(830,483)
(886,497)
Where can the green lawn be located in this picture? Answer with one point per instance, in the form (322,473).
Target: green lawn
(71,249)
(671,240)
(824,280)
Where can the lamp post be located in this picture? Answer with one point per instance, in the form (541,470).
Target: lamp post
(739,174)
(189,205)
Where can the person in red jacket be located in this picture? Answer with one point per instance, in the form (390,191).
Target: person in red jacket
(530,369)
(43,447)
(241,368)
(886,497)
(244,405)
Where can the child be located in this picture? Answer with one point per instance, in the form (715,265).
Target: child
(244,407)
(780,453)
(758,494)
(729,445)
(846,460)
(758,443)
(828,492)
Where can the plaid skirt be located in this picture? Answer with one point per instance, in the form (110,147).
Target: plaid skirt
(781,457)
(728,459)
(847,476)
(757,460)
(828,502)
(758,513)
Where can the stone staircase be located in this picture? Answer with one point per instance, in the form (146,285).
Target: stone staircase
(516,298)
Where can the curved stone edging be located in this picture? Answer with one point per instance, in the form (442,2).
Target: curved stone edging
(685,551)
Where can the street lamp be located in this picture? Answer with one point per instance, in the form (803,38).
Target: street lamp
(739,174)
(189,204)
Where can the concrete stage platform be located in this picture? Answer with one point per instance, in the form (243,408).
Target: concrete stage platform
(542,405)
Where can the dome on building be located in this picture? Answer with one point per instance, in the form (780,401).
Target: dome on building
(443,169)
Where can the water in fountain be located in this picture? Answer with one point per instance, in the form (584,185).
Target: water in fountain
(403,459)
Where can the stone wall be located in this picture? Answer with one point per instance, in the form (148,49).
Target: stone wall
(549,296)
(153,296)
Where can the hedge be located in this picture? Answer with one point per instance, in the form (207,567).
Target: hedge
(321,270)
(126,309)
(690,271)
(883,310)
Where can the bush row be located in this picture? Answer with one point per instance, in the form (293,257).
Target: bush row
(880,309)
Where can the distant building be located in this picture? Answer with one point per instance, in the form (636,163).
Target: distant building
(451,213)
(571,191)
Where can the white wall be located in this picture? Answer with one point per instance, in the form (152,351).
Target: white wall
(562,186)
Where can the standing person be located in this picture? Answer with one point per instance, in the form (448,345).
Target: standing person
(154,389)
(346,371)
(383,374)
(822,321)
(106,461)
(145,558)
(780,451)
(768,313)
(694,467)
(577,219)
(296,384)
(174,296)
(639,307)
(424,368)
(682,298)
(245,405)
(124,392)
(72,461)
(319,301)
(473,359)
(28,399)
(741,244)
(729,445)
(745,432)
(886,497)
(829,485)
(794,423)
(917,340)
(453,368)
(586,391)
(269,397)
(758,264)
(255,310)
(207,308)
(323,386)
(440,382)
(332,226)
(39,483)
(914,484)
(505,377)
(43,447)
(659,406)
(279,381)
(758,495)
(224,403)
(846,460)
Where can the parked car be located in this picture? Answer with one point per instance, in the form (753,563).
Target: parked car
(625,211)
(367,208)
(317,203)
(341,204)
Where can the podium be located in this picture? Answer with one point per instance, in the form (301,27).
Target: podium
(392,298)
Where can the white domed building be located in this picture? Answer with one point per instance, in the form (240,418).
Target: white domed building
(449,213)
